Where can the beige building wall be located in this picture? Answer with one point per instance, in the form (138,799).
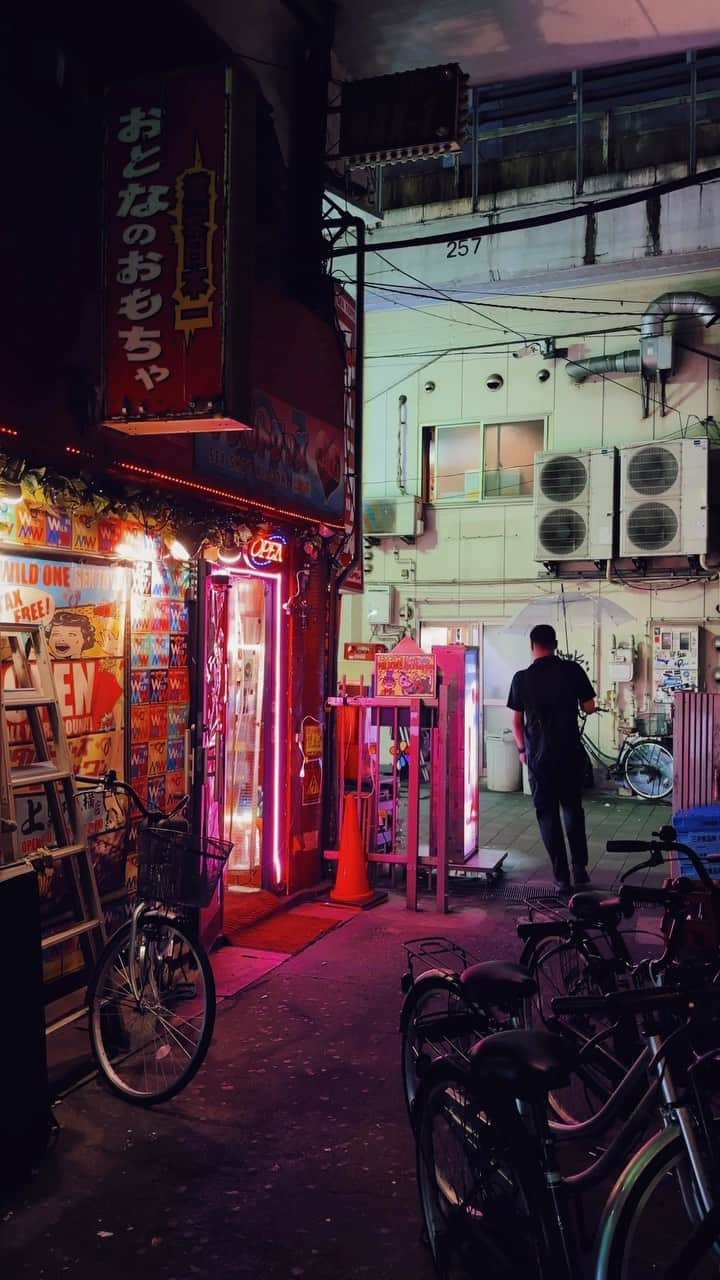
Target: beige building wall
(473,566)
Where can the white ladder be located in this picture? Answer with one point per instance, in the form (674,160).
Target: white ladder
(34,691)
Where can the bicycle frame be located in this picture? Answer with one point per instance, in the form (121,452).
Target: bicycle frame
(679,1122)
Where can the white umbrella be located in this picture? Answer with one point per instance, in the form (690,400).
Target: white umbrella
(574,608)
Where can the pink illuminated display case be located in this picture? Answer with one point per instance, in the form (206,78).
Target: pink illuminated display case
(459,668)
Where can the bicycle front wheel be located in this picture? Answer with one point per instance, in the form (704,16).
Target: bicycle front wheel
(152,1010)
(649,770)
(646,1217)
(474,1192)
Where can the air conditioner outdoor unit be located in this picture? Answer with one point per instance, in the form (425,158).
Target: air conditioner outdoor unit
(664,498)
(400,517)
(574,503)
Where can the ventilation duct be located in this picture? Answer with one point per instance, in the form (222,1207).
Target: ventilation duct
(621,362)
(698,305)
(655,357)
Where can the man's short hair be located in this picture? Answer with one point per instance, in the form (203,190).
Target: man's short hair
(543,636)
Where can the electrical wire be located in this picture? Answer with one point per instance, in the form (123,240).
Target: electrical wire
(371,288)
(404,377)
(424,284)
(470,324)
(527,341)
(502,306)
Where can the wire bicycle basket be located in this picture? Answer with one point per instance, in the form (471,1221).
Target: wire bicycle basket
(177,869)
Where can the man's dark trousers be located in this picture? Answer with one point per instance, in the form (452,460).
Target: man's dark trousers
(554,791)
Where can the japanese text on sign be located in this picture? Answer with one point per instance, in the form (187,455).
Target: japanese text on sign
(139,205)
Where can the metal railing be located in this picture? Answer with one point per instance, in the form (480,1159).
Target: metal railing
(567,127)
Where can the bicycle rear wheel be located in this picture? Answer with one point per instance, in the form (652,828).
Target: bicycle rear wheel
(475,1200)
(435,1022)
(649,769)
(148,1049)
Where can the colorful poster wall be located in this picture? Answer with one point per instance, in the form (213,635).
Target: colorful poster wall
(159,680)
(85,609)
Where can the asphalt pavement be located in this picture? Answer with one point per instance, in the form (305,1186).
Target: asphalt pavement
(290,1155)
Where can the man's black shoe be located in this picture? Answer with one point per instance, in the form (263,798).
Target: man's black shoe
(581,879)
(562,886)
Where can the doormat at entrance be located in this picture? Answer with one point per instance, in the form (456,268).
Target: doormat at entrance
(291,931)
(240,910)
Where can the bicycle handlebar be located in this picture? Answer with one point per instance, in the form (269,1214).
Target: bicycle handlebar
(665,841)
(110,782)
(628,846)
(650,1000)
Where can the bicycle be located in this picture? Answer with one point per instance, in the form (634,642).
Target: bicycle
(577,967)
(487,1159)
(584,953)
(643,762)
(151,1000)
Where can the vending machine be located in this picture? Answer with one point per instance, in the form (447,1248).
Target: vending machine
(459,669)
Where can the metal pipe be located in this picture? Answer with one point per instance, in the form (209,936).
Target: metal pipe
(677,304)
(359,228)
(577,80)
(652,325)
(620,362)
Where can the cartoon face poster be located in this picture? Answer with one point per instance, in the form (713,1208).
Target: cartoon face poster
(82,609)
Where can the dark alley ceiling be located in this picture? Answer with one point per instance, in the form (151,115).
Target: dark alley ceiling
(505,39)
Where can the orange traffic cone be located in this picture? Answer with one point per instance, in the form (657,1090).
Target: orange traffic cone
(351,883)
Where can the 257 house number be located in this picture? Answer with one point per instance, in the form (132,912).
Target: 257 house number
(461,248)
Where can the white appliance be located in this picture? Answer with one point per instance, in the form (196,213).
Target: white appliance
(400,517)
(664,498)
(574,505)
(381,605)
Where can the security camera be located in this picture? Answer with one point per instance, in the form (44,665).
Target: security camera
(429,386)
(494,381)
(543,375)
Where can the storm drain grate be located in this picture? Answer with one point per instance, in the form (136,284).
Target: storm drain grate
(503,892)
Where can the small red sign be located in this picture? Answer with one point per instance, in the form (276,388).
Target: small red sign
(362,652)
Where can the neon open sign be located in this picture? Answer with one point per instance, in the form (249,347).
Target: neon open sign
(262,552)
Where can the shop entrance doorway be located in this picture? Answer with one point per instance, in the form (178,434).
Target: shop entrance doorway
(238,738)
(245,732)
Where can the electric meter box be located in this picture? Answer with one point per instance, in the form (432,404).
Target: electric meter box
(675,661)
(657,354)
(620,667)
(380,605)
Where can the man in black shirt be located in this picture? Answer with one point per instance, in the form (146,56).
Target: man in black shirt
(544,700)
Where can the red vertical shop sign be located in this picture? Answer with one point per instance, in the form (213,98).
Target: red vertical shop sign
(345,311)
(165,230)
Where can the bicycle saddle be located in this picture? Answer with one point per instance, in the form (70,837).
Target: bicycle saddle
(596,907)
(530,1063)
(494,982)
